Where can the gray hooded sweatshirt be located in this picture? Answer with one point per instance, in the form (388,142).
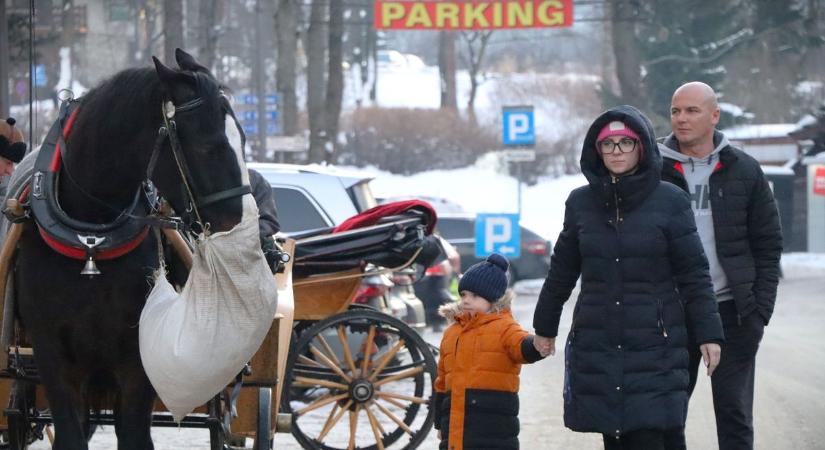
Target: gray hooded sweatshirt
(697,174)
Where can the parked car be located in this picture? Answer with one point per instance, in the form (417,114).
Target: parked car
(392,293)
(315,199)
(441,205)
(434,286)
(534,261)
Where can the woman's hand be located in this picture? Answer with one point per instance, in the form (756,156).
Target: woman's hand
(711,353)
(545,345)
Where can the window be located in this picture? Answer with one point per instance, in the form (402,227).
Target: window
(361,196)
(296,212)
(456,228)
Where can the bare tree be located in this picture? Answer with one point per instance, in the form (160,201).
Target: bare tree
(172,28)
(476,42)
(286,34)
(626,56)
(316,71)
(207,32)
(373,40)
(146,23)
(335,80)
(446,69)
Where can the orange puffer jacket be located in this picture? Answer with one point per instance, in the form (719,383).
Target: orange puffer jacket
(476,401)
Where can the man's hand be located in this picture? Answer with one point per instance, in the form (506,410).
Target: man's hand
(711,353)
(545,345)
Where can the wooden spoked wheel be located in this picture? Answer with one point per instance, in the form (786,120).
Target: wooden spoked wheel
(360,380)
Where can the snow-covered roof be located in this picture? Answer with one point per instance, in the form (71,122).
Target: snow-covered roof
(353,174)
(734,110)
(819,158)
(806,120)
(760,131)
(777,170)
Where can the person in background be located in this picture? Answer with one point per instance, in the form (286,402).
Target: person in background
(476,400)
(268,224)
(12,151)
(633,241)
(738,224)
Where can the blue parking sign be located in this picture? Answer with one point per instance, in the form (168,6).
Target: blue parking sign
(40,78)
(498,233)
(518,127)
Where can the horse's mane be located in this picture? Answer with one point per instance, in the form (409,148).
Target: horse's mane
(116,111)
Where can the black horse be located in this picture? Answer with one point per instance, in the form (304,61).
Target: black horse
(84,330)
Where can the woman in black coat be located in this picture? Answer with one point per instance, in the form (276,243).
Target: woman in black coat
(633,240)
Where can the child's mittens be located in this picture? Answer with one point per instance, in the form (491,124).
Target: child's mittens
(529,350)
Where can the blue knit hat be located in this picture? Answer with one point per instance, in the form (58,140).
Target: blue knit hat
(487,279)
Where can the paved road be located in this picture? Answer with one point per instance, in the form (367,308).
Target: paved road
(790,398)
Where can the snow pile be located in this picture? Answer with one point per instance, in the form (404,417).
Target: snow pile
(803,265)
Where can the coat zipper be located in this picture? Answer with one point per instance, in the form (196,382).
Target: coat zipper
(661,317)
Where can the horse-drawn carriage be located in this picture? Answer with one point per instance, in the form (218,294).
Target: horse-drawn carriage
(81,325)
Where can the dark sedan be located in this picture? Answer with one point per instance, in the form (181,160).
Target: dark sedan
(534,261)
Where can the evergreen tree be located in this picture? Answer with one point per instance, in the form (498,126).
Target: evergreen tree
(683,41)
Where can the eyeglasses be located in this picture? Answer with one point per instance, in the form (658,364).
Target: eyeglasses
(608,147)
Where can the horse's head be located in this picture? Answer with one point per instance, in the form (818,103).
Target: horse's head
(200,168)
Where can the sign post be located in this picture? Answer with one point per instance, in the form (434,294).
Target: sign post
(517,132)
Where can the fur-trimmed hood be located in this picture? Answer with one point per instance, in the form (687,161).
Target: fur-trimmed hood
(453,313)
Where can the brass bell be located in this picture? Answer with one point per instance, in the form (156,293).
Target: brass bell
(90,268)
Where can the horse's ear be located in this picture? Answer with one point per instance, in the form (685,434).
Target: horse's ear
(187,62)
(170,76)
(164,73)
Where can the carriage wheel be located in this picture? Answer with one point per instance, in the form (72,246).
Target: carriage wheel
(21,431)
(369,367)
(263,428)
(217,437)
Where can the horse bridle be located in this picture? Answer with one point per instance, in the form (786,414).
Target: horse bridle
(169,131)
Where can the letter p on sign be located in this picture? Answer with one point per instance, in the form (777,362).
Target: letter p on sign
(498,233)
(518,127)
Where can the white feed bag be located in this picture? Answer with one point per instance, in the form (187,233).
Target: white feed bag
(195,342)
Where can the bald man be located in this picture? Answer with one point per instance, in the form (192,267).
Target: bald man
(738,223)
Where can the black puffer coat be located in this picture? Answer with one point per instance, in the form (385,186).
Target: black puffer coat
(634,242)
(746,225)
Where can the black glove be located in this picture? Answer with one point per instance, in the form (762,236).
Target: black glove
(271,253)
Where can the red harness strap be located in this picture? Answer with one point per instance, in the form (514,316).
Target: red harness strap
(80,253)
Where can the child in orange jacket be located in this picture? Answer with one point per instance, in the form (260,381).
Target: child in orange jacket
(476,400)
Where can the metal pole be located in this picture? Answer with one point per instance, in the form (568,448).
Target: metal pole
(32,98)
(260,83)
(5,98)
(518,181)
